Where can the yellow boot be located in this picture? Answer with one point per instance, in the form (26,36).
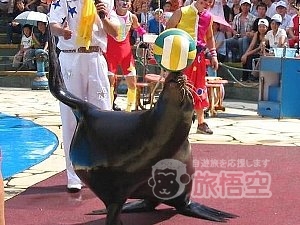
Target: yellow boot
(131,93)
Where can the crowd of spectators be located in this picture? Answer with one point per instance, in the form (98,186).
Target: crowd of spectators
(242,15)
(37,41)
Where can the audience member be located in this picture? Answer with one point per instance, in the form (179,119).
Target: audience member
(217,8)
(144,16)
(43,6)
(227,11)
(167,13)
(276,37)
(174,5)
(31,5)
(235,9)
(271,7)
(7,6)
(293,32)
(291,10)
(26,47)
(253,9)
(136,7)
(40,47)
(155,24)
(242,25)
(220,42)
(230,3)
(14,27)
(255,49)
(261,14)
(281,9)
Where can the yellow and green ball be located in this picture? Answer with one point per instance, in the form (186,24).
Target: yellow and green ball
(174,49)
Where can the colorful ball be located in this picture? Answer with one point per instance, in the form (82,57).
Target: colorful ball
(174,49)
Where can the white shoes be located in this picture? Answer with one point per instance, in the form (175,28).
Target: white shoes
(74,188)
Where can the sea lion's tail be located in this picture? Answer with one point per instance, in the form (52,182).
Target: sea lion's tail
(56,83)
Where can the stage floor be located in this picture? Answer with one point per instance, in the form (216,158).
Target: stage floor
(261,187)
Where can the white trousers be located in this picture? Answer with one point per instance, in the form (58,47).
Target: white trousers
(85,75)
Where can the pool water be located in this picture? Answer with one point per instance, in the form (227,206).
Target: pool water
(23,144)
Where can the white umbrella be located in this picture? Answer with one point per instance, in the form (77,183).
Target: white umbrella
(31,18)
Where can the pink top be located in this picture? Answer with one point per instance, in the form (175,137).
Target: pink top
(203,25)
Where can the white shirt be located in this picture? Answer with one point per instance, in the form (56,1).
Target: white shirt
(26,41)
(220,37)
(71,10)
(271,11)
(286,22)
(274,39)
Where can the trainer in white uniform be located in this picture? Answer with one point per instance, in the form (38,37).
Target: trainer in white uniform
(84,69)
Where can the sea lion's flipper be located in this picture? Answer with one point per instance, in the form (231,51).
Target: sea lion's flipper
(194,209)
(132,207)
(142,205)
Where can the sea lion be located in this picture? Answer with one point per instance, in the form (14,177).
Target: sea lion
(121,155)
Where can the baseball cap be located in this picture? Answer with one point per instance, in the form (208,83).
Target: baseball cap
(281,3)
(263,22)
(277,18)
(245,1)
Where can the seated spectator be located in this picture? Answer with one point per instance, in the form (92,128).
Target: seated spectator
(281,9)
(293,32)
(43,7)
(235,9)
(255,50)
(291,10)
(220,42)
(40,51)
(241,25)
(7,6)
(276,37)
(167,13)
(14,27)
(253,9)
(174,5)
(154,25)
(271,7)
(31,5)
(261,12)
(26,47)
(144,16)
(227,11)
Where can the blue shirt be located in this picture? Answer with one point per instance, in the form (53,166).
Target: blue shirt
(153,26)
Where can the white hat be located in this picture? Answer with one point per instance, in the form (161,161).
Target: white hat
(159,11)
(277,18)
(281,3)
(245,1)
(263,22)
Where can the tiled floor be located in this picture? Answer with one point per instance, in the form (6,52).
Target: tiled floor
(239,124)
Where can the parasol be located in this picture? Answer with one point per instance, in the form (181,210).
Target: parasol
(221,21)
(31,18)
